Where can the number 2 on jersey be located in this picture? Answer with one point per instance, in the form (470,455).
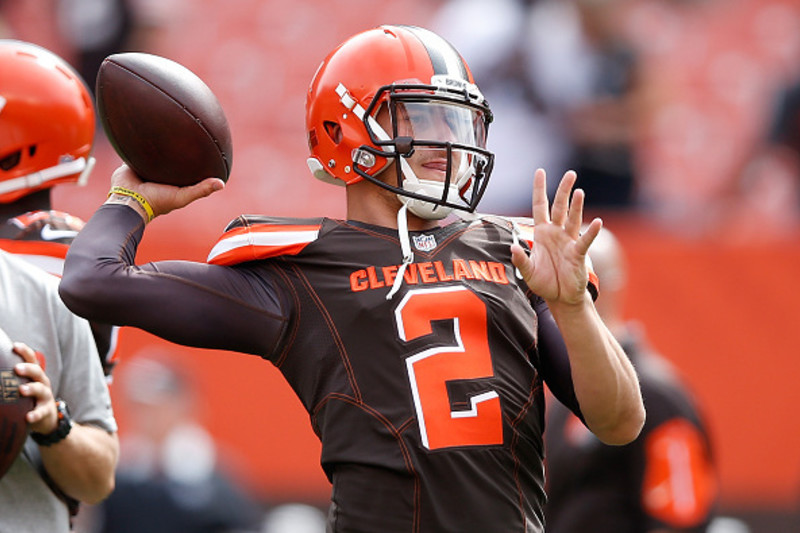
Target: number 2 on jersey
(430,370)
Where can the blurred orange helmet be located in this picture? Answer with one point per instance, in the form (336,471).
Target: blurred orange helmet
(409,72)
(47,121)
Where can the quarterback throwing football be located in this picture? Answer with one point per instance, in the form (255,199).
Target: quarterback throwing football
(418,347)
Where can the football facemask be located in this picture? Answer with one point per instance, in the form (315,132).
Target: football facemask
(437,145)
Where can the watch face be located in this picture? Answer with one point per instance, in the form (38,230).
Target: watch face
(63,417)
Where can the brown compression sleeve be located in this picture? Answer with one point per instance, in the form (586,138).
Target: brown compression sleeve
(195,304)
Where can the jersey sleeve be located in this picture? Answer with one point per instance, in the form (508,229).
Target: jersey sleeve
(240,308)
(250,238)
(554,359)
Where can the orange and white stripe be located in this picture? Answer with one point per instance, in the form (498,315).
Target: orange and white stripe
(261,242)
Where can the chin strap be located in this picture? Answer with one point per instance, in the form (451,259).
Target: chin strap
(405,247)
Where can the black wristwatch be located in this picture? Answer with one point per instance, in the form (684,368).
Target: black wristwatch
(62,429)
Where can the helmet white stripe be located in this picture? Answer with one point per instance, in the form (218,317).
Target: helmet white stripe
(445,59)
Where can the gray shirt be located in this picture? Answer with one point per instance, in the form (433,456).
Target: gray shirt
(32,312)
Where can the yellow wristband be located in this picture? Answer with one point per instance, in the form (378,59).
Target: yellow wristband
(136,196)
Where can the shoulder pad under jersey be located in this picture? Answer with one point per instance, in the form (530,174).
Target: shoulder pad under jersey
(523,228)
(41,237)
(48,226)
(254,237)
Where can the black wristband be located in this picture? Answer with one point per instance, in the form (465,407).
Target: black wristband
(62,429)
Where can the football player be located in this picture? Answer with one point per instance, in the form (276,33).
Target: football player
(663,482)
(70,453)
(417,342)
(47,128)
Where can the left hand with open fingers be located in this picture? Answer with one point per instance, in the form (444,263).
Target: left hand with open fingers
(44,417)
(556,267)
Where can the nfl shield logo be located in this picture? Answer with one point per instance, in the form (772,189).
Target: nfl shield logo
(424,243)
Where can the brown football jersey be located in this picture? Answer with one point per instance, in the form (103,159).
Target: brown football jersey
(429,404)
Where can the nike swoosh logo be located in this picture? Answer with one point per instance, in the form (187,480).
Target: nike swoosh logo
(50,234)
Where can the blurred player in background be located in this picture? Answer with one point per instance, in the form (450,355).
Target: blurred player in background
(418,347)
(567,87)
(47,132)
(784,134)
(170,478)
(664,481)
(71,453)
(770,177)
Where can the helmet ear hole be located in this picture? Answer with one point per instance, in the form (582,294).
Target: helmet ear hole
(10,161)
(334,131)
(51,143)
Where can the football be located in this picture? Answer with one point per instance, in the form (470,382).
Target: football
(162,119)
(13,407)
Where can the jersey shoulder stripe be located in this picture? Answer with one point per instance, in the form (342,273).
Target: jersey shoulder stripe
(250,238)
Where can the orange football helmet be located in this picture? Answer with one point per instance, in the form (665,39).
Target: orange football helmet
(417,79)
(47,121)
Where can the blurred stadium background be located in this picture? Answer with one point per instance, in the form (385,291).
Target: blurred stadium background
(715,268)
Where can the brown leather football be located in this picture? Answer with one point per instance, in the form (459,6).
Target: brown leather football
(13,407)
(162,119)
